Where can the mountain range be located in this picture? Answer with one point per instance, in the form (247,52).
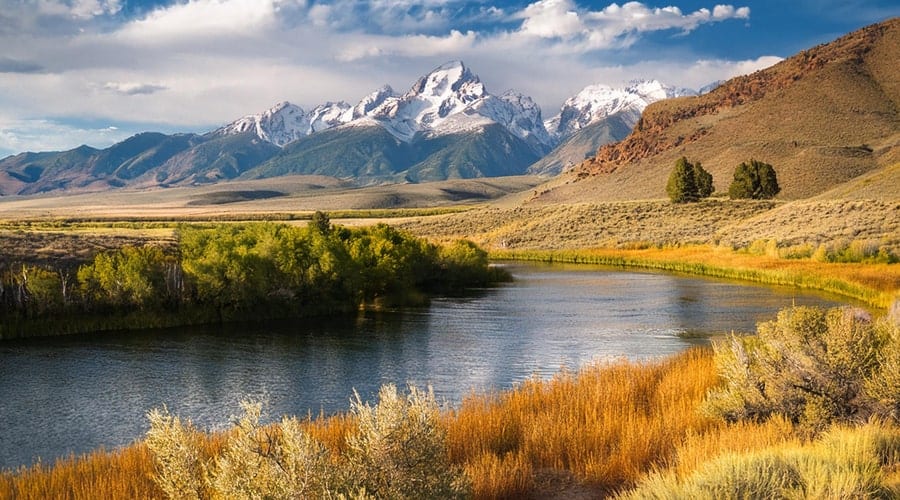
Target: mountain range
(446,126)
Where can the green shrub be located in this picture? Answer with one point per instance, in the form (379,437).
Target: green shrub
(813,366)
(844,463)
(399,451)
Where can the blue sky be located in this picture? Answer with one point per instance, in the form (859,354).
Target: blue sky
(97,71)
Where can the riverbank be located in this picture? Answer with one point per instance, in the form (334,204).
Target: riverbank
(591,434)
(875,284)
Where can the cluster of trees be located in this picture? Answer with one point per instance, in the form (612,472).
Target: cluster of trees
(691,182)
(275,270)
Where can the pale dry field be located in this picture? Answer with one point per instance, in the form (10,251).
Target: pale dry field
(292,194)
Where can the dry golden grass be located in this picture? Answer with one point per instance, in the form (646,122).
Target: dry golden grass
(604,426)
(589,225)
(820,221)
(124,474)
(660,223)
(600,429)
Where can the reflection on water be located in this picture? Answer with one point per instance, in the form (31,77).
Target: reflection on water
(74,394)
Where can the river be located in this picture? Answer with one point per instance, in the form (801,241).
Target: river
(73,394)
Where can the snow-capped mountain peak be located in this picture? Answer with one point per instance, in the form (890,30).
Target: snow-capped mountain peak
(597,102)
(280,124)
(371,101)
(449,99)
(328,115)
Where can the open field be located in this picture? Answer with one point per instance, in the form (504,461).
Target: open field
(736,224)
(254,199)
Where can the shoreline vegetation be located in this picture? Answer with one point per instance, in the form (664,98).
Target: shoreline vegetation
(693,425)
(225,272)
(875,284)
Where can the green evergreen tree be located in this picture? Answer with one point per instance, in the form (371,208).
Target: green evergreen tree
(756,180)
(688,182)
(703,181)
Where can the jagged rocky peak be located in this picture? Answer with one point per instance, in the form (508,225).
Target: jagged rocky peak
(451,80)
(449,99)
(372,101)
(280,124)
(329,115)
(597,102)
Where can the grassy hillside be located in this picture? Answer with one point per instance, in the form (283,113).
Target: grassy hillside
(822,118)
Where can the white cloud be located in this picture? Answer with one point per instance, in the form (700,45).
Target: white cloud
(133,88)
(615,25)
(204,18)
(728,12)
(408,46)
(79,9)
(550,19)
(51,135)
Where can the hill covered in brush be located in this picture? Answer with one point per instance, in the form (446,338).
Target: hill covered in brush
(823,117)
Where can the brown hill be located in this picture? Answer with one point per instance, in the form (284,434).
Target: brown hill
(822,117)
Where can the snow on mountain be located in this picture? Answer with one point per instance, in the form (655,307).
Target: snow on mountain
(279,124)
(449,99)
(452,99)
(433,101)
(370,102)
(329,115)
(597,102)
(519,114)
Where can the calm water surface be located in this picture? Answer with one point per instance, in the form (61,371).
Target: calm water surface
(73,394)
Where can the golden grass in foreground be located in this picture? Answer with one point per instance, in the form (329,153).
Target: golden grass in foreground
(602,427)
(593,433)
(874,284)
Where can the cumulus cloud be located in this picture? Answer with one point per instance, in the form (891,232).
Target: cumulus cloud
(79,9)
(408,46)
(202,18)
(133,88)
(615,25)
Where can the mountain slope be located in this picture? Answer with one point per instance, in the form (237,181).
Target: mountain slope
(596,116)
(366,153)
(822,117)
(581,144)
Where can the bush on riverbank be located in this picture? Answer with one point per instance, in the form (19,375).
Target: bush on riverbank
(231,271)
(812,366)
(397,449)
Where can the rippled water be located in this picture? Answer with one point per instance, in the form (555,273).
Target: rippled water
(74,394)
